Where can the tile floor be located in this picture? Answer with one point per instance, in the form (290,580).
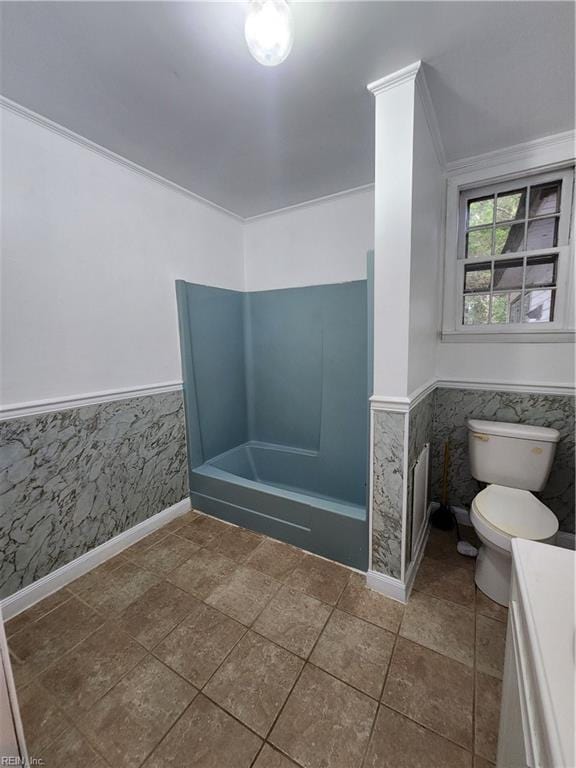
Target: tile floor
(208,645)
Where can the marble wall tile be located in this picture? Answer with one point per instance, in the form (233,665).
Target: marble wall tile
(420,432)
(454,406)
(387,492)
(73,479)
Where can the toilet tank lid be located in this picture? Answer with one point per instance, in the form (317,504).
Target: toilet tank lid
(522,431)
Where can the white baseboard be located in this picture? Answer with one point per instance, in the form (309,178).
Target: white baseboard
(33,593)
(387,585)
(396,589)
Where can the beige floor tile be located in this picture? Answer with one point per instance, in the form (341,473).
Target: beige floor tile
(145,543)
(487,607)
(271,758)
(72,751)
(293,620)
(40,644)
(442,546)
(370,605)
(115,590)
(165,555)
(490,646)
(36,611)
(202,573)
(43,720)
(254,682)
(131,719)
(90,669)
(354,651)
(324,722)
(23,672)
(16,624)
(441,578)
(431,689)
(203,529)
(155,613)
(275,558)
(440,625)
(177,523)
(206,737)
(319,578)
(244,594)
(197,647)
(487,716)
(235,543)
(401,743)
(94,576)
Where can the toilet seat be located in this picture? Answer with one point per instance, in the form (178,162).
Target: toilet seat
(501,514)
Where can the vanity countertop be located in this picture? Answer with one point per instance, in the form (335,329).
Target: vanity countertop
(545,577)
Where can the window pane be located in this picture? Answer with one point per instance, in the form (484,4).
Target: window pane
(476,309)
(480,211)
(542,233)
(477,277)
(509,239)
(479,243)
(506,308)
(544,199)
(539,306)
(511,205)
(508,274)
(541,270)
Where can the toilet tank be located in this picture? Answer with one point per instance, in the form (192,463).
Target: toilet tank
(515,455)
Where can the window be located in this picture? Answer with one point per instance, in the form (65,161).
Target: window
(513,264)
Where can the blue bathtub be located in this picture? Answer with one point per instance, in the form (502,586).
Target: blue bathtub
(278,491)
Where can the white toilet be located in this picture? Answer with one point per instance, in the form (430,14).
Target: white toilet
(514,459)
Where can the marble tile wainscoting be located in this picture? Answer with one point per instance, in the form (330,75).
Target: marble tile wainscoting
(420,432)
(72,479)
(452,409)
(400,431)
(387,491)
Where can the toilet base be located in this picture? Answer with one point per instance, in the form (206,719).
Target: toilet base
(493,574)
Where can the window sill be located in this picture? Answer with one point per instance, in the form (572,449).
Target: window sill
(500,337)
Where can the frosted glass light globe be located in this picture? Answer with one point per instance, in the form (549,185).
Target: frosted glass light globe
(268,31)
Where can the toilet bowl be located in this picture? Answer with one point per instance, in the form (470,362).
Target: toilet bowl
(513,460)
(500,514)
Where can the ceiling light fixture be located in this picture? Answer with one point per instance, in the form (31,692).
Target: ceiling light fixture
(269,31)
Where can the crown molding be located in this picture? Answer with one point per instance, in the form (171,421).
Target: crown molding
(66,133)
(556,148)
(399,77)
(415,73)
(36,407)
(431,116)
(312,202)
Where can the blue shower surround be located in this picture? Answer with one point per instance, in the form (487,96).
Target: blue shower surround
(275,389)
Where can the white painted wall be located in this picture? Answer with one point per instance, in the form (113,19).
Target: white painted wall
(392,237)
(426,254)
(512,363)
(325,241)
(90,253)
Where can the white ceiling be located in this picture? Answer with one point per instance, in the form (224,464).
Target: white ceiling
(172,87)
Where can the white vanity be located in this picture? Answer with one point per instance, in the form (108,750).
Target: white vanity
(537,720)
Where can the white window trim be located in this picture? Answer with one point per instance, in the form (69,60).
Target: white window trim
(506,175)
